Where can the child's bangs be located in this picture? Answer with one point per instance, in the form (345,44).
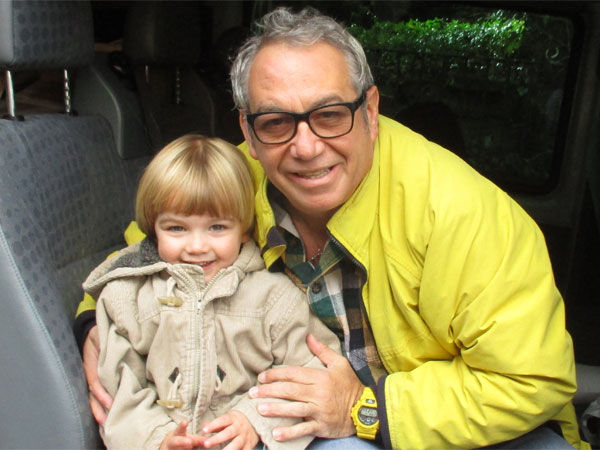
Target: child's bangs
(201,194)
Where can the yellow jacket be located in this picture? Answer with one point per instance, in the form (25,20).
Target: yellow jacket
(460,296)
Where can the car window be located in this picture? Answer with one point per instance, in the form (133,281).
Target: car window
(486,82)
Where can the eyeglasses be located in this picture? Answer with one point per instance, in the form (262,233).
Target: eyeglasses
(327,121)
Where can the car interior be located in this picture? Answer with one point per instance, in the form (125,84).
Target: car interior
(91,89)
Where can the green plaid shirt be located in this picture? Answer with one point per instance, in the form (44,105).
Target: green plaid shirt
(333,286)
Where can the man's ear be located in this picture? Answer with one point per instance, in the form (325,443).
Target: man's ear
(373,111)
(247,134)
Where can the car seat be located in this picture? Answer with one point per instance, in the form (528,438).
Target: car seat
(98,89)
(150,91)
(162,42)
(65,199)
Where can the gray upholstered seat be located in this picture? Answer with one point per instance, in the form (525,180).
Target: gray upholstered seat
(65,199)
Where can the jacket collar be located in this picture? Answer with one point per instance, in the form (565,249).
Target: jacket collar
(352,224)
(141,259)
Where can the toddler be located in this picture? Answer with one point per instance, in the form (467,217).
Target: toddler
(189,316)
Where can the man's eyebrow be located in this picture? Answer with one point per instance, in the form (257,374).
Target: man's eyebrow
(271,107)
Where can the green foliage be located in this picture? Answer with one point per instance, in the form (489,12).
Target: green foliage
(463,52)
(495,37)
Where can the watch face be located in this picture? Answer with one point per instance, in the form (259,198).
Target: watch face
(367,416)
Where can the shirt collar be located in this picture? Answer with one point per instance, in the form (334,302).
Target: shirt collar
(282,217)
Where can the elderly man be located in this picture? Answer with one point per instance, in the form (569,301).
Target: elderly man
(438,285)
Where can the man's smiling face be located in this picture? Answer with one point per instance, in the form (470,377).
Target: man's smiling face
(316,175)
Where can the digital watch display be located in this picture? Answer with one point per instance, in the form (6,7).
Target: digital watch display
(364,415)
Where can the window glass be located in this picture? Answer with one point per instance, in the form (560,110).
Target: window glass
(490,84)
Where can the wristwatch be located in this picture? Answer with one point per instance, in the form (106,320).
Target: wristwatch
(364,415)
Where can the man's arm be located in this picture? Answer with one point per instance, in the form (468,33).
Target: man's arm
(487,297)
(100,400)
(85,320)
(86,335)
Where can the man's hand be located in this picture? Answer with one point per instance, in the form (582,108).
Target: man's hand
(100,401)
(323,397)
(233,427)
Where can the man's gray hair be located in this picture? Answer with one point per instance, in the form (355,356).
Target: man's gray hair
(305,28)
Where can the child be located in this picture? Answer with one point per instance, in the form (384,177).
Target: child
(189,317)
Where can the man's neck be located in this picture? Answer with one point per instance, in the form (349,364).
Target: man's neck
(312,229)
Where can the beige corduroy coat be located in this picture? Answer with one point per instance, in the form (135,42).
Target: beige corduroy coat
(174,347)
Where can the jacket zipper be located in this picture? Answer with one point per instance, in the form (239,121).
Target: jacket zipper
(197,340)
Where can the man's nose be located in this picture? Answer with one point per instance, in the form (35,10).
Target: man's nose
(306,144)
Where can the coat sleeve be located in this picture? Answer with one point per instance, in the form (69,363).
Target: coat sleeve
(291,321)
(134,420)
(487,296)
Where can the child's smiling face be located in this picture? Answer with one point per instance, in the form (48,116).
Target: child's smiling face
(210,242)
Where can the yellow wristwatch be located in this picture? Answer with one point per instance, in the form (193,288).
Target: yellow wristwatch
(364,415)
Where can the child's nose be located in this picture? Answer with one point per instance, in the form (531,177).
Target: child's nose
(197,244)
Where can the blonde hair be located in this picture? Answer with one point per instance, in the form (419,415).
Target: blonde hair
(196,174)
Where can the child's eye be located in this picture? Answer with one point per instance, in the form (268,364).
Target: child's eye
(218,227)
(176,228)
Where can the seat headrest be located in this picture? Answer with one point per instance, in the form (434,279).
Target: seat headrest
(163,33)
(41,35)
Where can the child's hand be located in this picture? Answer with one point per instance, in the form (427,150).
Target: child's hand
(178,439)
(233,426)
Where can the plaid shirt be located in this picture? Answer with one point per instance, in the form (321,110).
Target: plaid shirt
(334,292)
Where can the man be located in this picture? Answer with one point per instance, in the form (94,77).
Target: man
(437,283)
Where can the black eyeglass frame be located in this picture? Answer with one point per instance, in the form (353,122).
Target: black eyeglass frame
(303,117)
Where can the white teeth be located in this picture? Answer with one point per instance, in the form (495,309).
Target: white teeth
(315,174)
